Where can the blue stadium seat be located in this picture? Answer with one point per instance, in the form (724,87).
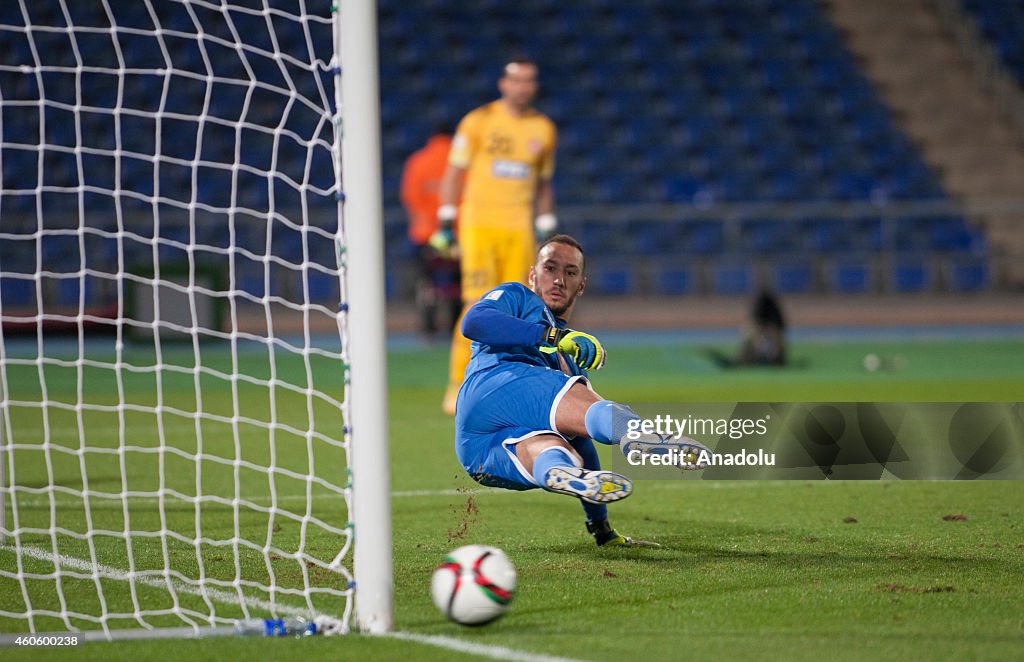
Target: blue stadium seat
(767,235)
(826,235)
(60,252)
(390,286)
(250,191)
(598,239)
(17,292)
(20,171)
(101,252)
(854,185)
(611,280)
(870,234)
(214,186)
(682,188)
(969,275)
(909,234)
(703,237)
(952,234)
(614,187)
(251,281)
(910,274)
(70,290)
(851,275)
(654,237)
(674,279)
(793,277)
(287,243)
(18,253)
(731,278)
(1002,23)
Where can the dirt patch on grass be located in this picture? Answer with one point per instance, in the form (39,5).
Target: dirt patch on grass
(902,588)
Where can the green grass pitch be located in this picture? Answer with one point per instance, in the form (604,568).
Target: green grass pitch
(805,570)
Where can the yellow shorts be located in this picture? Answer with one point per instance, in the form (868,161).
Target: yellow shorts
(492,254)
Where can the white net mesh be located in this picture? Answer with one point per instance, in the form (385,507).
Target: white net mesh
(172,375)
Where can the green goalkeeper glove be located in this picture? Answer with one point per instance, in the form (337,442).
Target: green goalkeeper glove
(443,239)
(585,350)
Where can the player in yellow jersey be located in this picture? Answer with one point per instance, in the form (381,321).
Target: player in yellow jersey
(502,160)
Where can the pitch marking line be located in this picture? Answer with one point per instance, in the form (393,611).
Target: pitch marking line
(226,597)
(170,584)
(484,650)
(37,499)
(65,500)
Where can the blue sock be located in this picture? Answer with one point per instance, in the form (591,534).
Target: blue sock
(549,458)
(585,447)
(607,421)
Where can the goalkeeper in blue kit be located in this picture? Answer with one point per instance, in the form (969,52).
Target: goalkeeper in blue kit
(526,416)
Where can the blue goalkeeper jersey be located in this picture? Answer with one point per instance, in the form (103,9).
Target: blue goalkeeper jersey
(509,339)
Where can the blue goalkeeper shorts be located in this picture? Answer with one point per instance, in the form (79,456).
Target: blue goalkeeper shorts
(497,408)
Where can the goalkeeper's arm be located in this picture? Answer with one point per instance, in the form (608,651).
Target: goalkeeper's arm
(492,326)
(489,325)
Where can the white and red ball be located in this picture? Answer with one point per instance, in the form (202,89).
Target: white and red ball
(474,585)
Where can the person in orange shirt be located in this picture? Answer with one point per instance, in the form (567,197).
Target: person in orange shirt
(501,164)
(438,282)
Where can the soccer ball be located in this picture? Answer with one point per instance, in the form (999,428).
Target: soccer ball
(474,585)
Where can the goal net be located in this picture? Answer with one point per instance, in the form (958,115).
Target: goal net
(174,362)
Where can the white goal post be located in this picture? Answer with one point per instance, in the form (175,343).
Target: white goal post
(364,215)
(193,396)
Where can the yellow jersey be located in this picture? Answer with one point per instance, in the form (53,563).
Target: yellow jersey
(505,156)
